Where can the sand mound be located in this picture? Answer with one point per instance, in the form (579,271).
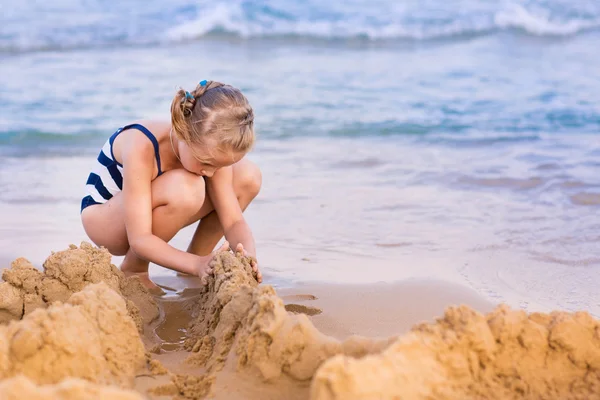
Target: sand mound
(465,355)
(66,272)
(90,337)
(20,388)
(236,319)
(504,355)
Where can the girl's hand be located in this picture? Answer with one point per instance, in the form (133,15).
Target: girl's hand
(253,262)
(203,269)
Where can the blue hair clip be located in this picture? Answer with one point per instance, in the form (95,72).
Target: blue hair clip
(203,83)
(188,95)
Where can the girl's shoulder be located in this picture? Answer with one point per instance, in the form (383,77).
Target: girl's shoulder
(151,128)
(157,127)
(141,137)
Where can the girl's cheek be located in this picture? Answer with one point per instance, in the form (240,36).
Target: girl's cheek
(209,171)
(193,165)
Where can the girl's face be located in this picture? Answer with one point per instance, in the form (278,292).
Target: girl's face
(205,160)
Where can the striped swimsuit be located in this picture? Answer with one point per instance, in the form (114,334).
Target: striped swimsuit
(106,178)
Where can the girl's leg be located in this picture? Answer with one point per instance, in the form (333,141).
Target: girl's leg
(177,197)
(247,180)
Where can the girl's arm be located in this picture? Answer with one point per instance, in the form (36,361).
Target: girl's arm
(225,202)
(138,158)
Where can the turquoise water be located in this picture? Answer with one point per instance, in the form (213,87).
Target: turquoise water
(427,130)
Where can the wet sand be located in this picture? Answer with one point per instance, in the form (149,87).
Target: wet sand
(380,309)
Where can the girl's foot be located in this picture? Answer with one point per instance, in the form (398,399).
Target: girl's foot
(133,267)
(145,279)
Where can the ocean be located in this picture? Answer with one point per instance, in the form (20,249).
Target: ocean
(398,140)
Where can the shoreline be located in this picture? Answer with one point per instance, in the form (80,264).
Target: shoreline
(408,232)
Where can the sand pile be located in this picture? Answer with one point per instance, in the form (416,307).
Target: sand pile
(20,388)
(66,272)
(465,355)
(235,319)
(91,336)
(503,355)
(243,329)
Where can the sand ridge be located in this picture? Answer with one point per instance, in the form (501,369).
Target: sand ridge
(25,288)
(91,336)
(237,319)
(505,354)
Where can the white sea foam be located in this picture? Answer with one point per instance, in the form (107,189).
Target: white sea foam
(539,23)
(68,24)
(233,19)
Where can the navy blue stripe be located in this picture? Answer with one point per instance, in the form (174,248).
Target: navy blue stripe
(87,201)
(111,166)
(150,136)
(95,180)
(111,141)
(114,136)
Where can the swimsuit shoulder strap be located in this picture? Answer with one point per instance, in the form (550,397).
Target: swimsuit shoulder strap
(152,138)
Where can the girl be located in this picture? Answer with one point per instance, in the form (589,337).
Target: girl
(154,178)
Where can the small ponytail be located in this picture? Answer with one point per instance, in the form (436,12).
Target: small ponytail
(205,86)
(181,110)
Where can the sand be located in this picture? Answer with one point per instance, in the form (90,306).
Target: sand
(377,310)
(91,336)
(234,310)
(19,388)
(466,355)
(237,339)
(25,288)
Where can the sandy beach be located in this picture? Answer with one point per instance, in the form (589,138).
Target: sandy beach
(108,336)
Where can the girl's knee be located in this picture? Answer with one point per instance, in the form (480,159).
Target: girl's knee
(248,179)
(185,192)
(118,250)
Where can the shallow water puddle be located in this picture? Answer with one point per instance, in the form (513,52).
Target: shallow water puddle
(172,330)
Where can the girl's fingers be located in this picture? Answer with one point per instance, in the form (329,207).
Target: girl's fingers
(239,248)
(224,246)
(255,269)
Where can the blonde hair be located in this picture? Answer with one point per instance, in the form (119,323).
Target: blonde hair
(214,110)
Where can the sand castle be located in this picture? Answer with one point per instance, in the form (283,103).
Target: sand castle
(25,288)
(75,328)
(91,336)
